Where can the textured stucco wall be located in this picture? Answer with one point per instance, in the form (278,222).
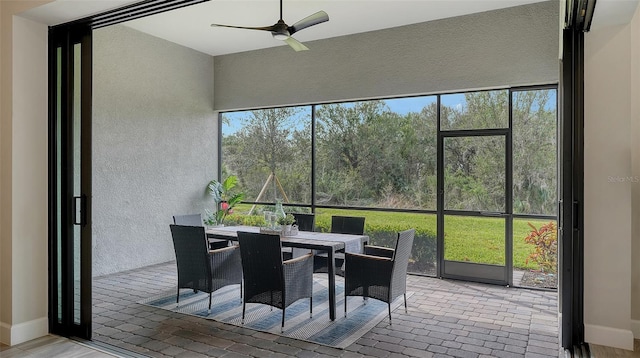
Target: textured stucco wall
(513,46)
(154,144)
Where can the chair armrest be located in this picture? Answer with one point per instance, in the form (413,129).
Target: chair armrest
(228,248)
(378,251)
(360,257)
(295,260)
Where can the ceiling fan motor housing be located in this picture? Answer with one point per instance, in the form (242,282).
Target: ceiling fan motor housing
(280,30)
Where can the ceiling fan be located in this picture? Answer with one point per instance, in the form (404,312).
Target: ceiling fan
(281,31)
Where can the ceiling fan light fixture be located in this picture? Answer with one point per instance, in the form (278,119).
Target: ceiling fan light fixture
(280,36)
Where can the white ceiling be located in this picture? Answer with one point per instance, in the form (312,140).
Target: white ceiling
(190,26)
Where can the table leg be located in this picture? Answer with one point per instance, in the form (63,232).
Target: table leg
(332,285)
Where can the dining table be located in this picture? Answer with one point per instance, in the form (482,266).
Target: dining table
(331,243)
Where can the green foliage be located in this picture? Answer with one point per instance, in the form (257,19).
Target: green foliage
(474,239)
(486,234)
(383,227)
(224,198)
(545,241)
(287,220)
(248,220)
(534,152)
(369,155)
(271,141)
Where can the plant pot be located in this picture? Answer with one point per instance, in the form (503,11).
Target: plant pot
(285,230)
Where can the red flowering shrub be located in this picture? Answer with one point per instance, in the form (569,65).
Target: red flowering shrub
(545,240)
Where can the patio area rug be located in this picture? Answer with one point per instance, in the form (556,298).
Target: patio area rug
(226,307)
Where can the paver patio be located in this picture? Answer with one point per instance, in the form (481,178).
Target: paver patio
(445,319)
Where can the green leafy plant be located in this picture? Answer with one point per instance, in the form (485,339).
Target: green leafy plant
(224,198)
(289,219)
(545,241)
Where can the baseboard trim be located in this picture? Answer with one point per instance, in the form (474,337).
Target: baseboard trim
(23,332)
(5,333)
(635,328)
(607,336)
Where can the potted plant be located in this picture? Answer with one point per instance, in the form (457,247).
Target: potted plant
(224,198)
(286,222)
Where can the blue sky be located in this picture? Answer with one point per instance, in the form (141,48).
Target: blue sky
(401,106)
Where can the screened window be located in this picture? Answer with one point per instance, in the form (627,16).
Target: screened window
(382,153)
(377,153)
(378,159)
(534,152)
(270,152)
(475,110)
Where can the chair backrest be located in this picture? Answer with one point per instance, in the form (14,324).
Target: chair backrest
(347,225)
(191,247)
(305,222)
(188,220)
(401,257)
(261,256)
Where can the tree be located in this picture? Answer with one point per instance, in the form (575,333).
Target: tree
(534,152)
(475,166)
(270,141)
(369,155)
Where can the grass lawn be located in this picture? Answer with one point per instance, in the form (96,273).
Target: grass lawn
(472,239)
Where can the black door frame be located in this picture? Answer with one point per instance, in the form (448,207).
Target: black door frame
(66,211)
(570,206)
(571,168)
(578,16)
(76,210)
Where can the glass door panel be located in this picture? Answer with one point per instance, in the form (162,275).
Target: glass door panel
(57,296)
(474,247)
(474,173)
(77,178)
(475,221)
(70,181)
(474,239)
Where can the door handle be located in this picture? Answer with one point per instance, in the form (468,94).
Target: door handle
(79,210)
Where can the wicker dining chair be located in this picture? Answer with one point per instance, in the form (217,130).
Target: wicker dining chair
(380,272)
(353,225)
(196,220)
(201,269)
(188,220)
(305,222)
(270,281)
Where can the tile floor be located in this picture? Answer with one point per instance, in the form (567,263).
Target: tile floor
(51,347)
(445,319)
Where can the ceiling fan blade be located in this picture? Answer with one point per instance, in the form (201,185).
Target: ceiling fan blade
(317,18)
(263,28)
(295,44)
